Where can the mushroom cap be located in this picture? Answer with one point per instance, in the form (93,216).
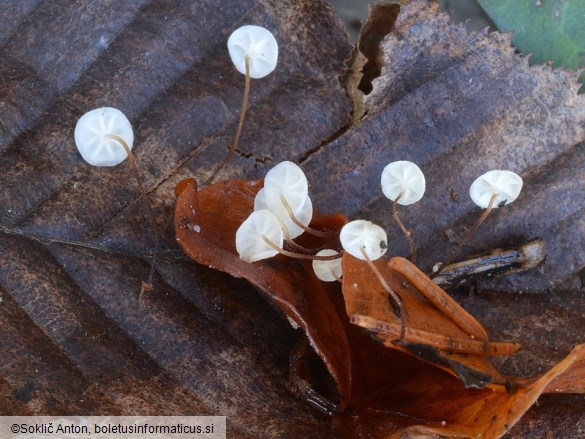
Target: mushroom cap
(403,177)
(506,184)
(288,180)
(362,234)
(303,215)
(92,143)
(327,271)
(249,243)
(259,45)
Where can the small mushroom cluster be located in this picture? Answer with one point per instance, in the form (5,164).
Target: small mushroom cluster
(285,196)
(283,208)
(283,211)
(404,183)
(104,136)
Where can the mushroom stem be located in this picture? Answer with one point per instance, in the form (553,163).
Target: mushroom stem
(290,241)
(395,299)
(468,236)
(405,231)
(307,229)
(131,159)
(298,247)
(300,255)
(146,286)
(244,108)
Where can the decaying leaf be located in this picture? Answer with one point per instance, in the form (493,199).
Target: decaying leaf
(383,391)
(206,224)
(458,105)
(74,241)
(460,344)
(75,245)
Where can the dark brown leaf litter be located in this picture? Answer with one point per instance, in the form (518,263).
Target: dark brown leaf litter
(71,311)
(76,341)
(459,105)
(446,385)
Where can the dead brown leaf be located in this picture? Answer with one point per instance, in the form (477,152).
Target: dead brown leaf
(445,384)
(75,243)
(206,343)
(459,105)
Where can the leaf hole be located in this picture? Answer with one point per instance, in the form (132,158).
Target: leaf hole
(380,24)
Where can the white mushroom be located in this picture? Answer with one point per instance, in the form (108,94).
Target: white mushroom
(503,186)
(95,136)
(403,182)
(289,181)
(363,240)
(104,137)
(366,241)
(258,45)
(254,52)
(286,194)
(327,271)
(303,215)
(491,190)
(258,235)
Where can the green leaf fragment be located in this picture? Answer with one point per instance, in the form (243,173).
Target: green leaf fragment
(549,30)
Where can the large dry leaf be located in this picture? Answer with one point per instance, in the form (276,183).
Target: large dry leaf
(459,105)
(206,224)
(445,386)
(77,340)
